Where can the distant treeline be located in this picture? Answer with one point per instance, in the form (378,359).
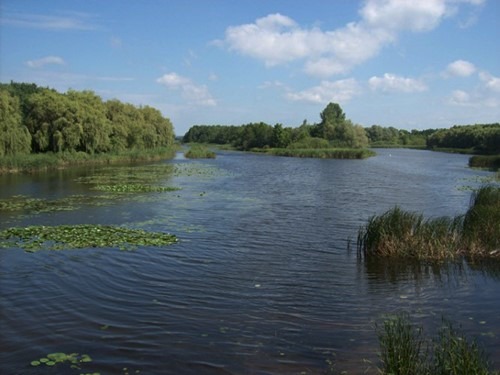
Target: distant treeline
(39,120)
(479,138)
(334,130)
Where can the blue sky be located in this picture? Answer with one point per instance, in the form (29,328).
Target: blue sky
(411,64)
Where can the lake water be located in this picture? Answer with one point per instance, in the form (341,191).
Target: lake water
(261,281)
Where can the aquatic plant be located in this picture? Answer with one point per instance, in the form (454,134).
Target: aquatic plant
(62,237)
(52,359)
(485,161)
(404,350)
(134,188)
(401,346)
(198,151)
(406,234)
(323,153)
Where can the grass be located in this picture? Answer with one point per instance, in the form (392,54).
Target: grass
(30,163)
(485,161)
(198,151)
(404,350)
(323,153)
(398,233)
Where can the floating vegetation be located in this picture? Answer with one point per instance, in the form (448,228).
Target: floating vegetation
(134,188)
(408,235)
(62,237)
(74,359)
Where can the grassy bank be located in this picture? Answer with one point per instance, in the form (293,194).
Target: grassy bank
(42,162)
(404,350)
(399,233)
(323,153)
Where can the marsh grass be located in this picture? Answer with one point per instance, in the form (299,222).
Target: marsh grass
(29,163)
(198,151)
(399,233)
(323,153)
(401,346)
(404,350)
(485,161)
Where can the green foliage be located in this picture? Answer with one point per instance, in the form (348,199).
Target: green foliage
(42,120)
(14,137)
(481,138)
(405,234)
(404,350)
(62,237)
(198,151)
(323,153)
(485,161)
(401,346)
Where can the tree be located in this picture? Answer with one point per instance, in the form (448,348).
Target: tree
(14,137)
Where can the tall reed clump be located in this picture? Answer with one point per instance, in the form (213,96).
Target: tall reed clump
(401,346)
(481,227)
(199,152)
(404,350)
(407,234)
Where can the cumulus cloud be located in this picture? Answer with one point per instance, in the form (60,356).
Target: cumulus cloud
(277,39)
(328,91)
(460,68)
(47,60)
(394,83)
(490,82)
(196,94)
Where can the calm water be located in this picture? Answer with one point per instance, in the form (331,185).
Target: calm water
(261,281)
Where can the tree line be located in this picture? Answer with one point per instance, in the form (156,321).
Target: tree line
(39,120)
(335,130)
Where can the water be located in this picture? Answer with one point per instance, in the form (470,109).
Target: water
(261,281)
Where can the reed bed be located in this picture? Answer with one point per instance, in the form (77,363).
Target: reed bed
(323,153)
(398,233)
(485,161)
(405,351)
(199,152)
(29,163)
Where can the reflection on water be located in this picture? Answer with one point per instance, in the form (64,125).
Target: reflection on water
(260,282)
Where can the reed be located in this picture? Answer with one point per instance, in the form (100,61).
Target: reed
(401,346)
(485,161)
(399,233)
(198,151)
(404,350)
(323,153)
(29,163)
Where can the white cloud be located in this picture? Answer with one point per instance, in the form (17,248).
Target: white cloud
(277,39)
(460,68)
(459,97)
(328,91)
(197,94)
(393,83)
(47,60)
(490,82)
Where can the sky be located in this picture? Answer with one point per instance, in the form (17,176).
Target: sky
(411,64)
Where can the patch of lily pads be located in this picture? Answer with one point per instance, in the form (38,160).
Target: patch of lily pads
(52,359)
(134,188)
(62,237)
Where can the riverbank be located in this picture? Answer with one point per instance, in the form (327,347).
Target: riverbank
(31,163)
(323,153)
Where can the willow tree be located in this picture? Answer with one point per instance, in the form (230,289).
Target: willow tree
(14,137)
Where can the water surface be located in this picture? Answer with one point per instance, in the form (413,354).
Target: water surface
(261,281)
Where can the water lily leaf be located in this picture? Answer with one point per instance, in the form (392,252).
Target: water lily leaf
(35,363)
